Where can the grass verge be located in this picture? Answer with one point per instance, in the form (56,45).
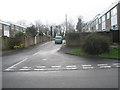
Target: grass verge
(114,53)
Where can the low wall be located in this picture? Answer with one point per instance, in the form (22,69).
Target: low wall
(5,43)
(27,41)
(77,39)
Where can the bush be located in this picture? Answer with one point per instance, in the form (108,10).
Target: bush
(19,34)
(19,46)
(13,42)
(96,44)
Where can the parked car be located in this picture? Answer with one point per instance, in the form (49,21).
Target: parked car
(58,40)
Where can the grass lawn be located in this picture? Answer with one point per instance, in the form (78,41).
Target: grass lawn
(114,53)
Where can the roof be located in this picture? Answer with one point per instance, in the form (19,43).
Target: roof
(20,25)
(2,22)
(109,8)
(9,23)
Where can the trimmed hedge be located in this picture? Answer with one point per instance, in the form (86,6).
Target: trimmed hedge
(96,44)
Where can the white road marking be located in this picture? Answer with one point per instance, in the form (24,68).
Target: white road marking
(116,65)
(55,66)
(102,64)
(39,69)
(86,65)
(9,69)
(13,66)
(41,66)
(24,69)
(73,66)
(105,67)
(44,59)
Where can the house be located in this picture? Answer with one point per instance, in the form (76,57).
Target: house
(106,21)
(10,29)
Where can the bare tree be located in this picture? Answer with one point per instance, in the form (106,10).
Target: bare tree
(80,24)
(22,22)
(71,26)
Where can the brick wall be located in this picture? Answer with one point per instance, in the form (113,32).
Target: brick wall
(77,39)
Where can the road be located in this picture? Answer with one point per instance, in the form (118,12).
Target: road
(43,66)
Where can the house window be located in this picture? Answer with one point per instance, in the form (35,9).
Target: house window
(103,18)
(100,21)
(0,30)
(21,29)
(12,27)
(6,30)
(108,15)
(96,26)
(103,23)
(103,26)
(114,17)
(17,28)
(96,21)
(114,11)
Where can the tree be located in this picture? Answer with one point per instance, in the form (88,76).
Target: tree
(71,27)
(80,23)
(32,31)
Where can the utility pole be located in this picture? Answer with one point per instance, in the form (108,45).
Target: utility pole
(66,23)
(51,31)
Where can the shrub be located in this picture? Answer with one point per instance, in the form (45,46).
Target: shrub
(18,46)
(22,45)
(96,44)
(19,34)
(13,42)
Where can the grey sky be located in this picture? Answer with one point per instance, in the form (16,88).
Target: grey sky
(51,11)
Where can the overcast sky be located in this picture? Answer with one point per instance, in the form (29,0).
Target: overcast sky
(51,11)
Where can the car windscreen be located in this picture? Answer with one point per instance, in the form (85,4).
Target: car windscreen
(58,38)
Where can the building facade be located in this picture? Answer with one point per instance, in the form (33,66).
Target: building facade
(10,29)
(106,21)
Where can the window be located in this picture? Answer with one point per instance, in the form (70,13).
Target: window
(103,26)
(100,21)
(17,28)
(114,20)
(114,11)
(96,21)
(96,26)
(108,15)
(114,16)
(12,27)
(6,30)
(103,18)
(21,29)
(103,23)
(0,30)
